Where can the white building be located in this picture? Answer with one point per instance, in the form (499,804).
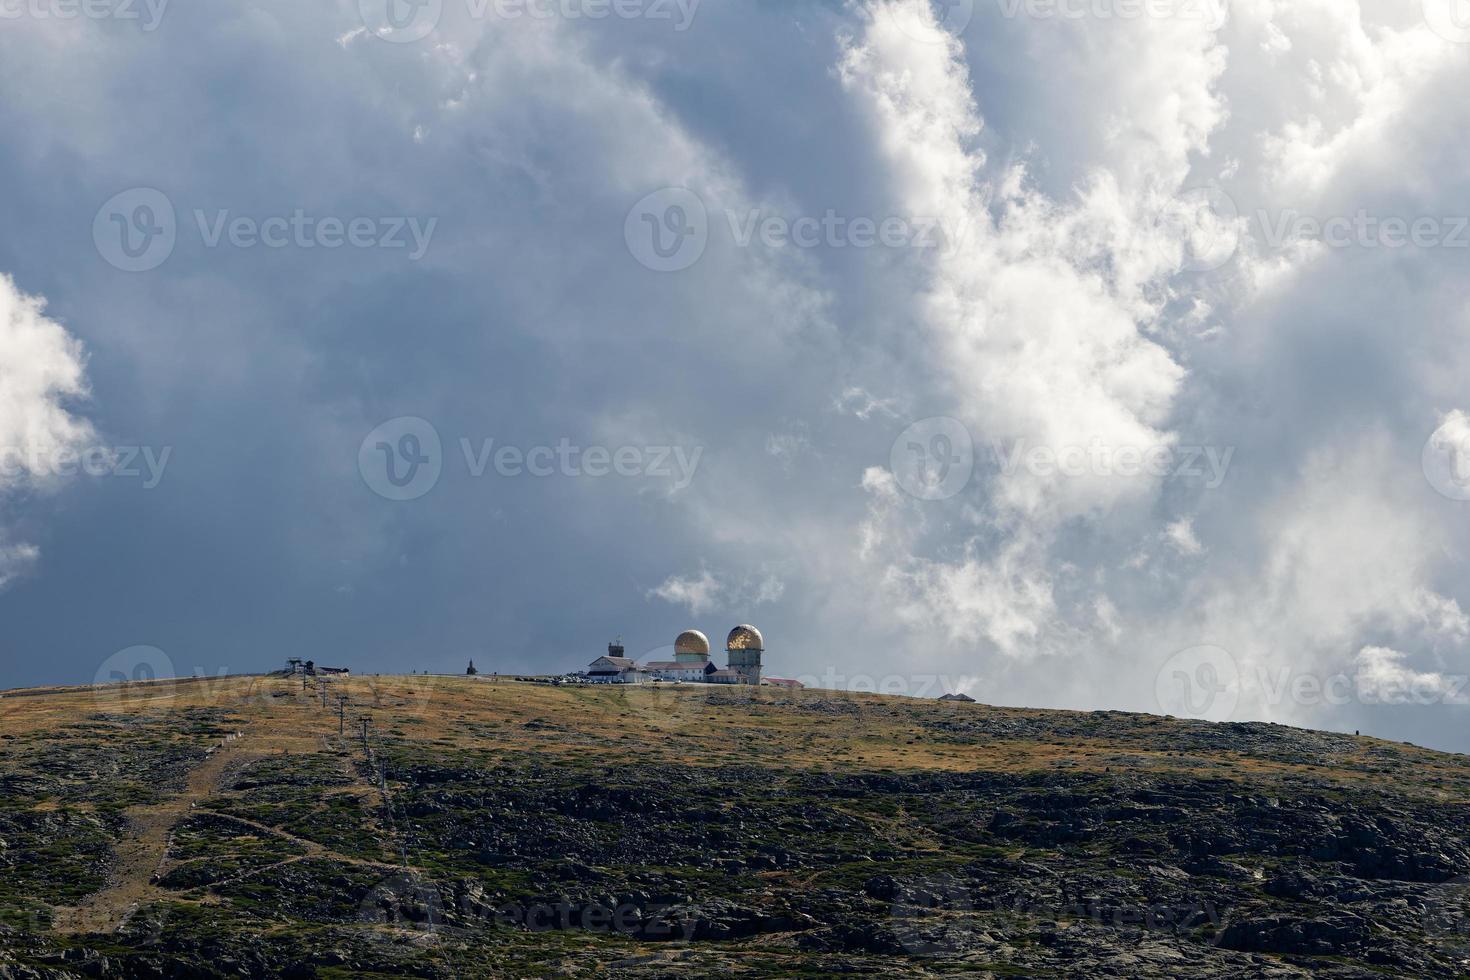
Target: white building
(616,670)
(691,663)
(691,660)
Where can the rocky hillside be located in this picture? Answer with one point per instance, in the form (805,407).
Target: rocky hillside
(483,829)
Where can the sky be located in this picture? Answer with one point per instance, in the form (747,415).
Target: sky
(1066,353)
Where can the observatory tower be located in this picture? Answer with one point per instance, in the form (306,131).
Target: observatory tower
(744,648)
(692,647)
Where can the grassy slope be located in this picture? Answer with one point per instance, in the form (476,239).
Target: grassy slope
(786,803)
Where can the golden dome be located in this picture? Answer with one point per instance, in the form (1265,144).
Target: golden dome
(745,638)
(692,641)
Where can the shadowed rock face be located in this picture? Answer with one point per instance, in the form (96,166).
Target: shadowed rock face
(581,833)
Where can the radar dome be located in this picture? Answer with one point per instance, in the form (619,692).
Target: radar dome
(692,642)
(745,638)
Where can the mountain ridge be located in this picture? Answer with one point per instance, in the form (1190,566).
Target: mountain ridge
(484,827)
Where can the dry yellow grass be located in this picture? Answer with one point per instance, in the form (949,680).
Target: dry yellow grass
(695,724)
(476,720)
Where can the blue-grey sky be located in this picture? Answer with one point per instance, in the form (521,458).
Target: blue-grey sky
(1072,353)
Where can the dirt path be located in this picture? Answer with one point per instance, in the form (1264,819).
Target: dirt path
(144,844)
(143,847)
(312,848)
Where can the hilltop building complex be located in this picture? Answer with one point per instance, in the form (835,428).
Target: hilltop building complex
(744,648)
